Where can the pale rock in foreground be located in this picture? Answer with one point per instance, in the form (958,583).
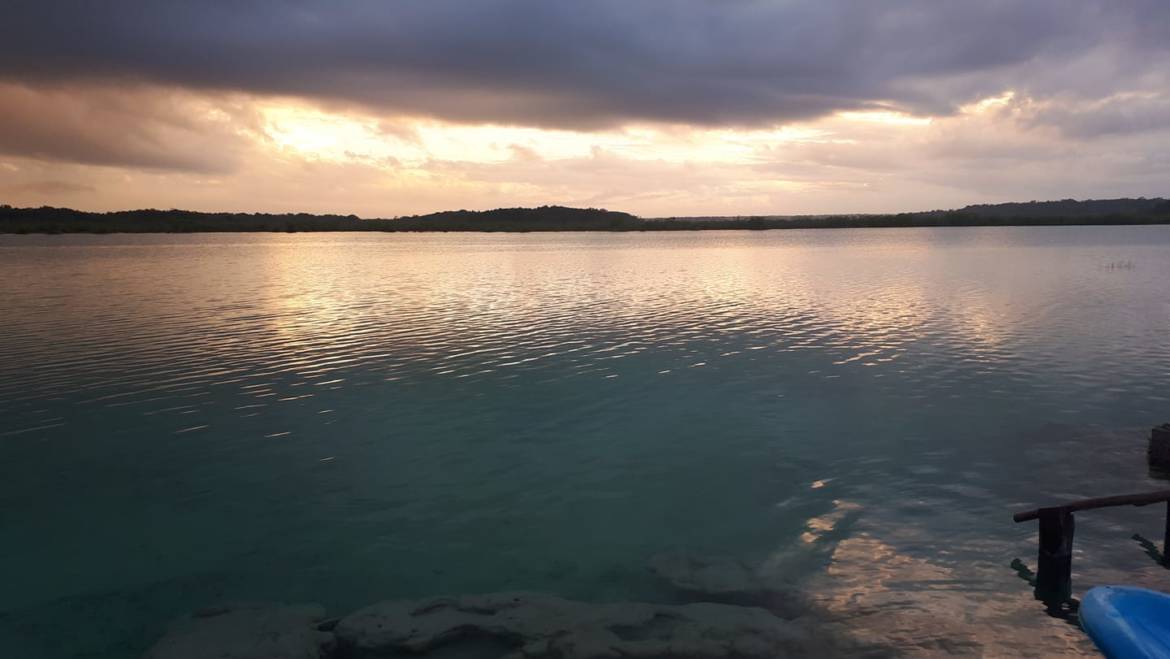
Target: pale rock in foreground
(247,631)
(535,626)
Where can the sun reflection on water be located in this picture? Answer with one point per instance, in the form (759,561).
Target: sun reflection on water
(369,413)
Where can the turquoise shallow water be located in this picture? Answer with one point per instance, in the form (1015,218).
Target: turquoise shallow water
(344,418)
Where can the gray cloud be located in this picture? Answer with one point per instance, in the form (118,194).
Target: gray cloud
(589,64)
(134,127)
(48,188)
(1112,116)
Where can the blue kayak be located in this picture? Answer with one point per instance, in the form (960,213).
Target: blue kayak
(1127,623)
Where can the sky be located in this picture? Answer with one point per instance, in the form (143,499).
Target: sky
(661,108)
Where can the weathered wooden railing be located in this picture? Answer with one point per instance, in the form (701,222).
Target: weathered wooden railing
(1054,562)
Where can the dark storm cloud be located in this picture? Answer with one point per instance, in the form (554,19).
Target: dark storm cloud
(584,63)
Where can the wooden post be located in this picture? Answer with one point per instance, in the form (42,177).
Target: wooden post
(1158,452)
(1166,539)
(1054,563)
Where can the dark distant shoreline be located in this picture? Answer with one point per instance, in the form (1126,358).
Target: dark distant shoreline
(49,220)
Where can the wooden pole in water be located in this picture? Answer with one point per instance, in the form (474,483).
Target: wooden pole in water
(1166,538)
(1054,563)
(1143,499)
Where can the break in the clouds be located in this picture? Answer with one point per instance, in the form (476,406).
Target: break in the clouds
(433,98)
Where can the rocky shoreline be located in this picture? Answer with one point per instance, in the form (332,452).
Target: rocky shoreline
(733,613)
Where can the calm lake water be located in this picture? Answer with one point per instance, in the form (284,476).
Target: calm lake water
(343,418)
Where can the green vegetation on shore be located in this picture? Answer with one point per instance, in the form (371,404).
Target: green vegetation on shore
(559,218)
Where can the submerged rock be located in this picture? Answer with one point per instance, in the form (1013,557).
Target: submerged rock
(534,626)
(247,631)
(729,581)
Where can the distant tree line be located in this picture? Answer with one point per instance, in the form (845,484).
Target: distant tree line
(47,219)
(1073,208)
(559,218)
(543,218)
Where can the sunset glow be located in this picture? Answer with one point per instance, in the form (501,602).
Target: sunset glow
(732,129)
(717,329)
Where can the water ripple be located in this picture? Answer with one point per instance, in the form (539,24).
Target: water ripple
(410,415)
